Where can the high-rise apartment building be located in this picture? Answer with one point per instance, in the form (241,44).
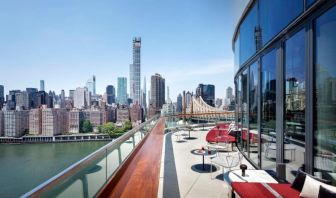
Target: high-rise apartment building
(135,71)
(71,94)
(179,104)
(123,114)
(11,99)
(2,96)
(157,91)
(42,85)
(22,100)
(75,119)
(136,113)
(91,85)
(144,97)
(110,94)
(229,92)
(54,121)
(207,92)
(32,97)
(122,90)
(95,116)
(82,98)
(16,122)
(35,121)
(2,123)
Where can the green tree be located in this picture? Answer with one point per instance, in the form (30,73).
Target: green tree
(127,126)
(87,126)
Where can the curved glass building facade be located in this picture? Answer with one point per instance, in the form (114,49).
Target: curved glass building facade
(285,83)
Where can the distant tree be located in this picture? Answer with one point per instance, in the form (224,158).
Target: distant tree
(87,126)
(127,126)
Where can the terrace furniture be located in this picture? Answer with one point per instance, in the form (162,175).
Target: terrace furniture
(204,153)
(227,161)
(304,185)
(251,175)
(287,147)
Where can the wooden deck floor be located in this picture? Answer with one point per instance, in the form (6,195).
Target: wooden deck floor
(141,176)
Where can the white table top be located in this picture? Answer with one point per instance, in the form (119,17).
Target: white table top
(259,176)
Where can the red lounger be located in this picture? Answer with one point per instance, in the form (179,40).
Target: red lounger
(215,135)
(252,190)
(223,126)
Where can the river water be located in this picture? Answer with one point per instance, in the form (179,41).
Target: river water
(24,166)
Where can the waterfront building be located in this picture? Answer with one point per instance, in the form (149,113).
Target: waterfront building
(2,123)
(76,117)
(82,98)
(135,71)
(207,92)
(91,85)
(168,109)
(157,91)
(16,122)
(122,90)
(285,85)
(95,116)
(179,104)
(54,121)
(42,85)
(22,100)
(136,113)
(110,94)
(123,114)
(35,121)
(2,96)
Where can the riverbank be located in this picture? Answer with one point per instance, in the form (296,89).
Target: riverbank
(56,139)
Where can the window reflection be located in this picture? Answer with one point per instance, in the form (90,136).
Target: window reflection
(236,54)
(275,15)
(295,89)
(268,110)
(325,96)
(244,109)
(253,116)
(247,34)
(239,101)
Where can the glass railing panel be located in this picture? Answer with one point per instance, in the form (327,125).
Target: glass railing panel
(113,161)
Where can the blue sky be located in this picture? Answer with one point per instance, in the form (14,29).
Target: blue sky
(64,42)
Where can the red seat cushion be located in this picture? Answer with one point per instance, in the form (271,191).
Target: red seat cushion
(285,190)
(247,190)
(251,190)
(215,135)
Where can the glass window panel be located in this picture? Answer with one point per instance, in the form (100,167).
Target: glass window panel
(276,15)
(236,54)
(244,109)
(247,41)
(239,102)
(268,110)
(253,106)
(325,95)
(310,2)
(294,100)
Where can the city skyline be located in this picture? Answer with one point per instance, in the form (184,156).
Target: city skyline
(86,43)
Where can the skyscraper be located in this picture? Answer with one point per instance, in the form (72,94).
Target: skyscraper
(2,96)
(229,94)
(110,94)
(91,85)
(179,104)
(144,97)
(207,92)
(157,91)
(82,98)
(41,85)
(135,71)
(122,90)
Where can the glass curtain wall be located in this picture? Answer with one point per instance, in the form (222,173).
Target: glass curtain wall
(239,119)
(244,109)
(268,110)
(253,113)
(325,95)
(294,101)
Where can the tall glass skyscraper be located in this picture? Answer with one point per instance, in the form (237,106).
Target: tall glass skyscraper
(135,71)
(91,85)
(110,93)
(122,90)
(41,85)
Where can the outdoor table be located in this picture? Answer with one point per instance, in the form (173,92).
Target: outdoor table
(188,129)
(204,153)
(251,175)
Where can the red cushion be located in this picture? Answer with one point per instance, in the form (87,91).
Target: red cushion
(251,190)
(215,135)
(285,190)
(223,126)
